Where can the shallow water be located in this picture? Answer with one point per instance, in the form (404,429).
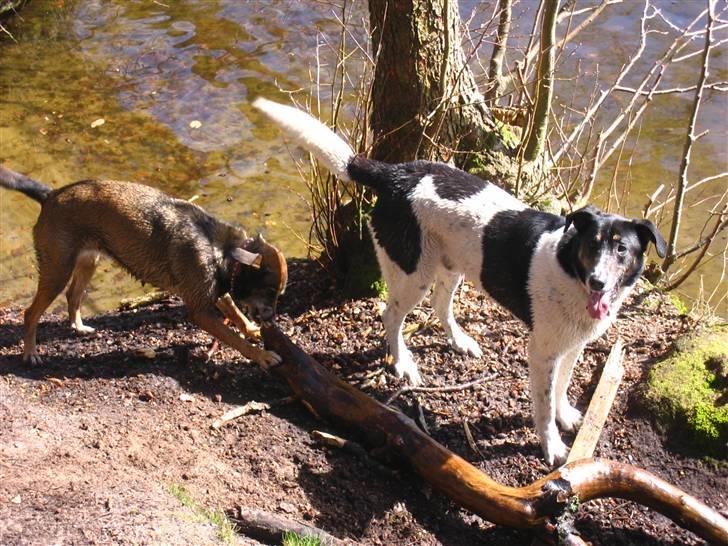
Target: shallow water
(172,82)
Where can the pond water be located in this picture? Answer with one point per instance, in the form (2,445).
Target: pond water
(172,81)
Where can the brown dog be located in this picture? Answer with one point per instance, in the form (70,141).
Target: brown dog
(167,242)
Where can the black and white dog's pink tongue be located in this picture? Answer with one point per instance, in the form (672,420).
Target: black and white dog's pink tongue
(598,305)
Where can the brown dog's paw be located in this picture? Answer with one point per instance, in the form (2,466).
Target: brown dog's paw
(267,359)
(253,332)
(32,358)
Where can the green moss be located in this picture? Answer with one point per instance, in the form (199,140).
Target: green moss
(679,304)
(508,136)
(686,392)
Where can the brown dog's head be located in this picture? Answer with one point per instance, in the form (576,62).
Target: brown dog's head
(260,279)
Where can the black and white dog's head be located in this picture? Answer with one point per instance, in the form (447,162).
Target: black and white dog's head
(606,252)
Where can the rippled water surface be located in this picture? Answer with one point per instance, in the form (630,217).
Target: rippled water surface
(172,81)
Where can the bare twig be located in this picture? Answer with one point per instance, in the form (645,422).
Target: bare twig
(470,439)
(6,31)
(720,224)
(248,408)
(446,388)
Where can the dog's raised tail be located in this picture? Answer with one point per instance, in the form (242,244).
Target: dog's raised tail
(310,134)
(19,182)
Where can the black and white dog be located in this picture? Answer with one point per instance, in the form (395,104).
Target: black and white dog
(565,277)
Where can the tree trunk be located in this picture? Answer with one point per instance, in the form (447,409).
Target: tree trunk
(426,103)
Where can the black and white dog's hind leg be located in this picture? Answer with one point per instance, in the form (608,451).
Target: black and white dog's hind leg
(443,294)
(404,293)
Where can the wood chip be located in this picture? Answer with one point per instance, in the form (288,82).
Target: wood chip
(245,409)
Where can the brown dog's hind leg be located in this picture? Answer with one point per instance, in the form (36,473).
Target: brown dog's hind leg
(50,284)
(214,325)
(82,273)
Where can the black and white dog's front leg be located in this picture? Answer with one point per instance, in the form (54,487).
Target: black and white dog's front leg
(567,415)
(543,367)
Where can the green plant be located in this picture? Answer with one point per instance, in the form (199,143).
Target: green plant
(226,529)
(292,539)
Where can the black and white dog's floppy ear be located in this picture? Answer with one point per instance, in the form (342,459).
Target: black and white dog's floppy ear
(647,231)
(247,258)
(581,218)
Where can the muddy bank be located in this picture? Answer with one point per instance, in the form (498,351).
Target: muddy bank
(94,442)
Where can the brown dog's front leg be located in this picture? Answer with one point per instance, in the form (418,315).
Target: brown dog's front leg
(214,326)
(228,308)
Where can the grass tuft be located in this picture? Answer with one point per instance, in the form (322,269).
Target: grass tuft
(293,539)
(226,529)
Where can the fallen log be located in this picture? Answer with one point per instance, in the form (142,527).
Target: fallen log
(535,506)
(272,528)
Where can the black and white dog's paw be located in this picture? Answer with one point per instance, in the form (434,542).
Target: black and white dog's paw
(407,368)
(555,452)
(569,418)
(466,345)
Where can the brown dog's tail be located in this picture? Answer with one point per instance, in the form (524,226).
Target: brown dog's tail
(19,182)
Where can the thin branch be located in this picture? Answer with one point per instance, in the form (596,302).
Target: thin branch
(606,92)
(717,86)
(688,189)
(446,388)
(6,31)
(720,225)
(532,50)
(689,140)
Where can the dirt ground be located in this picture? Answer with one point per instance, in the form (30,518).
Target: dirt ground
(93,441)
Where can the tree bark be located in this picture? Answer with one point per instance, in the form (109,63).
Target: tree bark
(534,506)
(423,92)
(544,83)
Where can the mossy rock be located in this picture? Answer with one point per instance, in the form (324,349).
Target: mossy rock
(688,392)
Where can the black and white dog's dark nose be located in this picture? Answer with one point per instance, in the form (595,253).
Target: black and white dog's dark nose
(596,284)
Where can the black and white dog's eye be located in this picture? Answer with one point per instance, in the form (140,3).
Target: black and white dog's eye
(621,249)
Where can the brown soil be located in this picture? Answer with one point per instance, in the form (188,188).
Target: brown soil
(92,440)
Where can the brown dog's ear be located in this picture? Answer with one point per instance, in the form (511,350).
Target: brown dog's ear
(247,258)
(581,218)
(647,231)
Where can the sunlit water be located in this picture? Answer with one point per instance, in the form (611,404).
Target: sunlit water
(172,82)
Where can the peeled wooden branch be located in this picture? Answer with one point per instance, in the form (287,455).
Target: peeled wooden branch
(532,506)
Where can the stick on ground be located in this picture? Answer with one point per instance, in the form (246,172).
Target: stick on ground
(596,415)
(535,506)
(270,527)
